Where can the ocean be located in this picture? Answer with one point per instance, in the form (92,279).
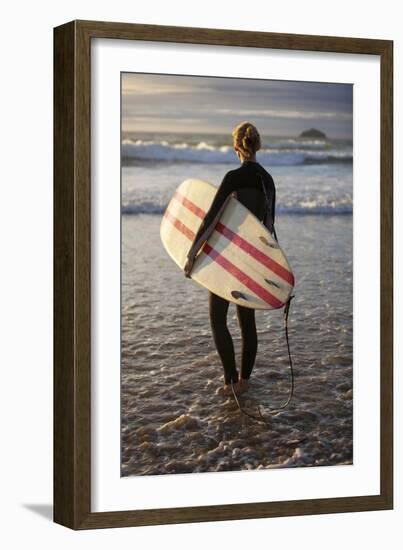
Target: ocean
(172,419)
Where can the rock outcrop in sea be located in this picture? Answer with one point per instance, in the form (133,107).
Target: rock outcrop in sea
(313,133)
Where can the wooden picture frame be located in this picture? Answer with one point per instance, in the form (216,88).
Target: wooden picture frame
(72,272)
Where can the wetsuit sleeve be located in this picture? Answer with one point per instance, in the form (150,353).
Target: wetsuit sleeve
(269,219)
(273,212)
(225,189)
(273,206)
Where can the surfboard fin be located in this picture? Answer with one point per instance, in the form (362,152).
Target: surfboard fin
(266,242)
(236,294)
(268,281)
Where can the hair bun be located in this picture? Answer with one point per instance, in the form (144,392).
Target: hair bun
(246,138)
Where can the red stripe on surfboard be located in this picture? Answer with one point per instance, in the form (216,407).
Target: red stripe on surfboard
(190,205)
(227,265)
(255,253)
(240,242)
(243,277)
(179,225)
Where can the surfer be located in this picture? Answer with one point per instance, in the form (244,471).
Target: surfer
(254,187)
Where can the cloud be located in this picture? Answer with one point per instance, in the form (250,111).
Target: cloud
(212,103)
(286,114)
(145,85)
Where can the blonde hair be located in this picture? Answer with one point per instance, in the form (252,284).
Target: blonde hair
(246,139)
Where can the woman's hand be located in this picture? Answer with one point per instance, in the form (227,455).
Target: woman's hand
(189,266)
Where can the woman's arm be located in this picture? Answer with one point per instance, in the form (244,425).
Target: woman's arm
(199,242)
(273,212)
(209,222)
(269,218)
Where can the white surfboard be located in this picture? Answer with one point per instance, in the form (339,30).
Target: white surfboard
(240,262)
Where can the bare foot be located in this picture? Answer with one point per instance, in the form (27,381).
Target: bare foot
(243,385)
(227,389)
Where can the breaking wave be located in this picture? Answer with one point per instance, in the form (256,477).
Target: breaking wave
(288,153)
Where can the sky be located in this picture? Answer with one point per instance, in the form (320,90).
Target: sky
(199,104)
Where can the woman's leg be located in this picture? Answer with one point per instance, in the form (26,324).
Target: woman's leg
(218,308)
(246,318)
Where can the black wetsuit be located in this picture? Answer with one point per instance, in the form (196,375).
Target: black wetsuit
(247,181)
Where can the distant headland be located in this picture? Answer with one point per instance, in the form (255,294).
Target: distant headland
(313,133)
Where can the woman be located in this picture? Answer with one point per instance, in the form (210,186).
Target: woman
(253,186)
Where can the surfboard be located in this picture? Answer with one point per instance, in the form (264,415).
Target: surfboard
(240,261)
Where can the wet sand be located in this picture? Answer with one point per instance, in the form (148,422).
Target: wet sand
(172,419)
